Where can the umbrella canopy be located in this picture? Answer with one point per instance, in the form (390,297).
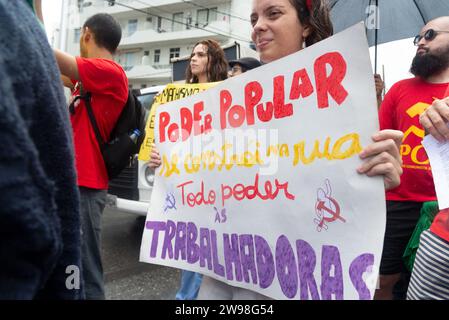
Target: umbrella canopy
(398,19)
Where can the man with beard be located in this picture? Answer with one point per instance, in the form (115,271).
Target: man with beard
(400,110)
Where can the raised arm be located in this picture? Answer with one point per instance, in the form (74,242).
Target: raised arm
(67,64)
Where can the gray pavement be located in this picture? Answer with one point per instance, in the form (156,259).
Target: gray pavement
(125,277)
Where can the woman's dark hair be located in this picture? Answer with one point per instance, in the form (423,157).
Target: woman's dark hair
(318,19)
(217,65)
(106,30)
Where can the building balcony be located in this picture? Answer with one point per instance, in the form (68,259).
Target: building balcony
(151,37)
(129,7)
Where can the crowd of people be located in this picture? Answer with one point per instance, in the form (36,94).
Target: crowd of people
(53,180)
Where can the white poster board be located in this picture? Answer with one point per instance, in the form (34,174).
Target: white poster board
(259,187)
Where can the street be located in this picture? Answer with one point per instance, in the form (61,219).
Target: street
(125,277)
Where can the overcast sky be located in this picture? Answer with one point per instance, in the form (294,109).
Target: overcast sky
(396,57)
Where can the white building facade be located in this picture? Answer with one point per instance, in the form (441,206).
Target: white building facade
(155,31)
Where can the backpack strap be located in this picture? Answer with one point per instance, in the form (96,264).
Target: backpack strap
(86,97)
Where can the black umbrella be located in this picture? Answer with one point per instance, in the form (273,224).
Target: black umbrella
(397,19)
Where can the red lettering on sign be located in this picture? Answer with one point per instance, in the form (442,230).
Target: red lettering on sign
(190,122)
(253,94)
(164,120)
(281,110)
(236,115)
(330,84)
(186,123)
(196,199)
(225,103)
(240,192)
(301,85)
(173,132)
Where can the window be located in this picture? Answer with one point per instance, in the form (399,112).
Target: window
(202,16)
(178,23)
(77,35)
(148,24)
(189,21)
(132,26)
(157,55)
(146,58)
(213,14)
(129,61)
(174,53)
(159,24)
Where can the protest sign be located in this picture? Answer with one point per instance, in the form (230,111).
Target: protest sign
(258,185)
(172,92)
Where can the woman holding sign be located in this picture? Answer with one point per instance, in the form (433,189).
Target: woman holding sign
(281,28)
(207,64)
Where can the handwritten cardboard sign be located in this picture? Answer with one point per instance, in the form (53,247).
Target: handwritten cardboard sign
(258,185)
(172,92)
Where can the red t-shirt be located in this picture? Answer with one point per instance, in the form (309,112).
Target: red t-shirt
(400,110)
(108,84)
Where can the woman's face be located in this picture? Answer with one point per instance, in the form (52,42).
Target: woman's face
(199,60)
(277,31)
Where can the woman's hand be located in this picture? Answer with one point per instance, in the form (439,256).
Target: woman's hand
(383,157)
(434,119)
(155,158)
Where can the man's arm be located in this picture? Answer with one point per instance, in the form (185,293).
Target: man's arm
(67,82)
(67,64)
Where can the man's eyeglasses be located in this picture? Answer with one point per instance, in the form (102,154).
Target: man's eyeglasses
(429,35)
